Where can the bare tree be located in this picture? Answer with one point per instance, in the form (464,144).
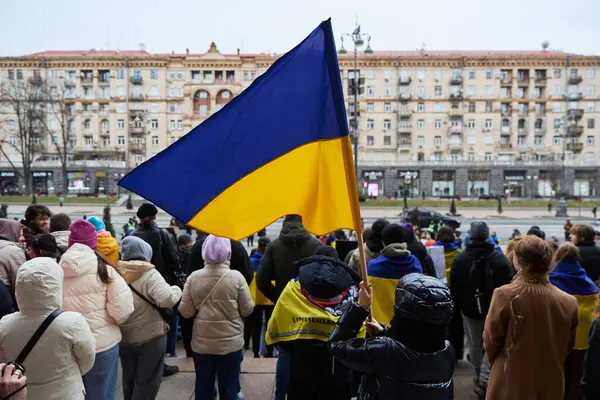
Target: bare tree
(22,110)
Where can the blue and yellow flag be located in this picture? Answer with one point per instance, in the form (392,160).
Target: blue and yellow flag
(281,147)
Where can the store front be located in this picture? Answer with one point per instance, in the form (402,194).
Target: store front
(408,184)
(442,184)
(101,183)
(479,183)
(78,182)
(548,183)
(9,183)
(514,183)
(372,183)
(584,183)
(43,182)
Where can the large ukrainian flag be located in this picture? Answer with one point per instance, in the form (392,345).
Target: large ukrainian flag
(280,147)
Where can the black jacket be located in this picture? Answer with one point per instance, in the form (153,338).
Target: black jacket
(7,306)
(165,254)
(502,272)
(419,250)
(591,369)
(239,259)
(590,259)
(278,263)
(401,372)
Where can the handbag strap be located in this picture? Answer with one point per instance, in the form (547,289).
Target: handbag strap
(213,289)
(157,308)
(36,336)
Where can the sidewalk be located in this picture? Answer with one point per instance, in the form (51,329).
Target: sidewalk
(258,380)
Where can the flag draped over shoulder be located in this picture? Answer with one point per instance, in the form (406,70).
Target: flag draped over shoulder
(280,147)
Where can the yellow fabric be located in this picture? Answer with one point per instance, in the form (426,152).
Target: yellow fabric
(294,317)
(384,294)
(109,248)
(311,181)
(587,307)
(449,257)
(257,296)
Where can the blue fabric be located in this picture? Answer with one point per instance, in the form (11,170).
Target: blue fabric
(393,267)
(282,371)
(255,260)
(448,246)
(258,126)
(172,337)
(226,368)
(101,381)
(571,278)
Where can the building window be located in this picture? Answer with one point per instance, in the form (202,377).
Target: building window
(120,108)
(488,90)
(370,107)
(471,74)
(488,124)
(387,140)
(120,75)
(438,107)
(489,106)
(471,123)
(421,124)
(179,124)
(437,123)
(591,91)
(154,91)
(489,73)
(87,124)
(11,74)
(421,107)
(19,74)
(439,74)
(557,73)
(105,125)
(203,109)
(557,107)
(387,90)
(172,124)
(438,90)
(437,140)
(370,140)
(472,139)
(421,74)
(488,156)
(370,91)
(154,140)
(591,123)
(153,73)
(471,156)
(591,73)
(590,140)
(421,141)
(556,139)
(370,124)
(471,90)
(154,107)
(120,124)
(591,107)
(387,124)
(420,92)
(387,107)
(370,74)
(154,124)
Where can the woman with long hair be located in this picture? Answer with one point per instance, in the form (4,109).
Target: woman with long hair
(93,288)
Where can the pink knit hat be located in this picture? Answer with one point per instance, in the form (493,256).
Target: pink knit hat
(83,232)
(216,250)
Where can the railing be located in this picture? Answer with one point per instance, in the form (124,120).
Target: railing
(505,129)
(137,130)
(455,112)
(575,80)
(69,80)
(77,163)
(87,78)
(455,145)
(455,130)
(541,81)
(137,147)
(404,80)
(404,96)
(493,163)
(405,129)
(540,131)
(456,80)
(456,97)
(523,81)
(506,82)
(575,113)
(405,113)
(574,146)
(136,80)
(575,130)
(575,96)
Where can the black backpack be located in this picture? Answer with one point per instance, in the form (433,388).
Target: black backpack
(480,284)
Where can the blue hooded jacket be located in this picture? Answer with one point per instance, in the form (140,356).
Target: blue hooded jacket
(571,278)
(255,260)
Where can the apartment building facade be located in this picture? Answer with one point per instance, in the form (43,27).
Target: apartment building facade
(434,123)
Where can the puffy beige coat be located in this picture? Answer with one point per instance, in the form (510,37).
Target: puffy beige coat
(354,261)
(103,306)
(145,323)
(65,351)
(218,325)
(12,256)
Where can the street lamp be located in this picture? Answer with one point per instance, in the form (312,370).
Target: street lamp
(358,39)
(531,179)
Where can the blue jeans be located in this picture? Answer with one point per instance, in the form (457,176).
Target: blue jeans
(172,337)
(101,381)
(282,371)
(226,368)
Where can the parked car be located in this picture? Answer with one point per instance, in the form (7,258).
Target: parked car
(426,217)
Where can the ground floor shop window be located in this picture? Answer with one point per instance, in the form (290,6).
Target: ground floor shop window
(408,184)
(9,183)
(43,182)
(514,183)
(479,183)
(78,182)
(372,183)
(443,183)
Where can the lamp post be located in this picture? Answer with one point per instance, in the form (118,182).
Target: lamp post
(358,39)
(531,179)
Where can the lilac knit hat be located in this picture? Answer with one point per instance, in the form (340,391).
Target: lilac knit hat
(216,250)
(83,232)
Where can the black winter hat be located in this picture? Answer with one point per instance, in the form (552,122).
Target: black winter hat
(325,277)
(393,233)
(264,241)
(479,231)
(374,242)
(423,298)
(147,210)
(327,251)
(184,239)
(44,241)
(536,231)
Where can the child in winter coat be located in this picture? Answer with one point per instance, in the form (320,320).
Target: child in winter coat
(107,245)
(93,288)
(142,350)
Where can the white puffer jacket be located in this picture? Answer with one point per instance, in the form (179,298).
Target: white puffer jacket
(218,325)
(146,324)
(65,351)
(12,256)
(103,306)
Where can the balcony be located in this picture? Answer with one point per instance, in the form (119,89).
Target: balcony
(136,80)
(456,146)
(575,113)
(404,144)
(575,147)
(137,97)
(35,80)
(455,112)
(104,81)
(541,81)
(523,146)
(504,146)
(505,130)
(137,147)
(575,130)
(523,131)
(456,97)
(105,132)
(405,129)
(523,81)
(455,130)
(403,113)
(137,130)
(540,131)
(404,96)
(69,80)
(506,112)
(575,80)
(575,96)
(506,82)
(456,80)
(404,80)
(87,78)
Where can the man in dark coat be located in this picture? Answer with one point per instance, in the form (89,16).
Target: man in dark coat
(278,264)
(35,222)
(474,275)
(583,236)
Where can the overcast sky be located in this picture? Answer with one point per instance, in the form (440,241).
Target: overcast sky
(261,26)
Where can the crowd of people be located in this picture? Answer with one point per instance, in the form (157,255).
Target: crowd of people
(74,303)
